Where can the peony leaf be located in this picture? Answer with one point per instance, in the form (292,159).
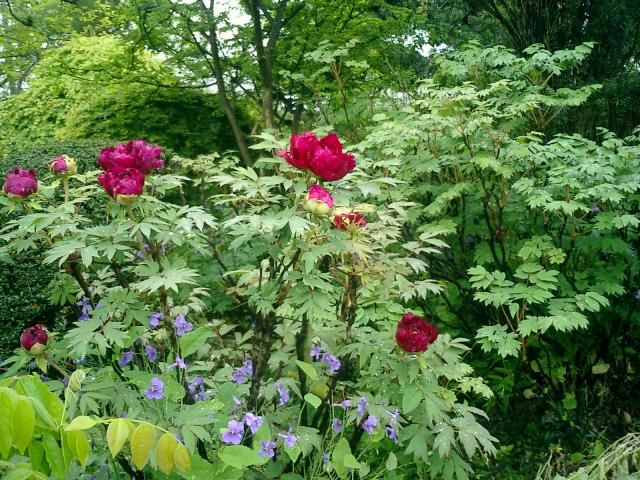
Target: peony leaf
(165,451)
(142,441)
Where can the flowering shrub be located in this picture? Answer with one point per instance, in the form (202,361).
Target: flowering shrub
(301,378)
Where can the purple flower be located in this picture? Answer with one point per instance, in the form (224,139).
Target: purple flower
(325,457)
(595,208)
(336,424)
(290,438)
(393,434)
(393,417)
(156,390)
(85,308)
(362,406)
(154,319)
(370,423)
(241,374)
(182,326)
(151,352)
(254,422)
(126,358)
(332,362)
(196,389)
(267,448)
(178,363)
(65,381)
(345,403)
(316,351)
(237,401)
(283,392)
(234,433)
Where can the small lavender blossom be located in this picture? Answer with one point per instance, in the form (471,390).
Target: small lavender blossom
(316,351)
(283,392)
(151,352)
(267,449)
(332,362)
(126,358)
(181,325)
(336,424)
(237,401)
(345,403)
(154,319)
(178,363)
(254,422)
(362,406)
(85,309)
(370,423)
(241,374)
(156,390)
(392,433)
(65,381)
(393,417)
(290,438)
(234,433)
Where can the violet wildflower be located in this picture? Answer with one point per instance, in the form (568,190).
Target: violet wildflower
(290,438)
(392,433)
(234,433)
(85,309)
(393,417)
(345,403)
(370,423)
(362,406)
(267,449)
(65,381)
(237,401)
(178,363)
(332,362)
(316,351)
(154,319)
(336,424)
(181,325)
(126,358)
(151,352)
(254,422)
(241,374)
(283,392)
(156,390)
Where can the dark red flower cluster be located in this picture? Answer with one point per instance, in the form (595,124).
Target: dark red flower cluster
(125,167)
(323,157)
(20,183)
(349,221)
(34,339)
(415,334)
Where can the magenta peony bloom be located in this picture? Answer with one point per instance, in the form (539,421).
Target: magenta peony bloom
(319,201)
(123,186)
(21,183)
(324,157)
(349,221)
(136,154)
(414,334)
(63,165)
(34,339)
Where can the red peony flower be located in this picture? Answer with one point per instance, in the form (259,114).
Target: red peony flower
(63,165)
(319,201)
(34,339)
(20,183)
(136,154)
(414,334)
(324,157)
(123,186)
(349,221)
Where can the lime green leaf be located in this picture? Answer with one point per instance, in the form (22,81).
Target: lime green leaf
(53,452)
(239,456)
(192,341)
(24,421)
(142,442)
(164,452)
(80,423)
(312,400)
(82,448)
(392,462)
(117,435)
(308,369)
(7,406)
(182,459)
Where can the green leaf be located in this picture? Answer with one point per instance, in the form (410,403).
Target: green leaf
(164,452)
(312,400)
(143,440)
(308,369)
(192,341)
(117,435)
(7,406)
(24,422)
(341,450)
(444,439)
(411,398)
(600,368)
(182,458)
(53,453)
(392,462)
(239,456)
(81,447)
(351,462)
(81,423)
(18,474)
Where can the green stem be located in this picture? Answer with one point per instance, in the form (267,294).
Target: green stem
(65,183)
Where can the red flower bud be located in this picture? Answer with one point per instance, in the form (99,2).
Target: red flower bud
(136,154)
(20,183)
(319,201)
(63,165)
(349,221)
(123,186)
(414,334)
(34,339)
(323,157)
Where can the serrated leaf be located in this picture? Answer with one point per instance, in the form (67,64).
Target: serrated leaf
(411,398)
(444,439)
(142,442)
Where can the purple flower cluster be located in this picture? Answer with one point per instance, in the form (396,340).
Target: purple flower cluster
(283,392)
(197,389)
(336,424)
(241,374)
(181,325)
(152,353)
(126,358)
(370,424)
(331,361)
(362,406)
(154,319)
(85,309)
(254,422)
(155,390)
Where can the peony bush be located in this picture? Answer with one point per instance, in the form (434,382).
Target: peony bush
(264,333)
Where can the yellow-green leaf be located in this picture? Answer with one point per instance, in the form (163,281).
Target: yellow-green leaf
(182,459)
(142,442)
(24,421)
(7,406)
(308,369)
(53,453)
(164,452)
(81,423)
(82,448)
(117,435)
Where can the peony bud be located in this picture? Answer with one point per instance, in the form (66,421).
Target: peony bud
(35,339)
(63,165)
(20,183)
(349,221)
(319,201)
(414,334)
(125,186)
